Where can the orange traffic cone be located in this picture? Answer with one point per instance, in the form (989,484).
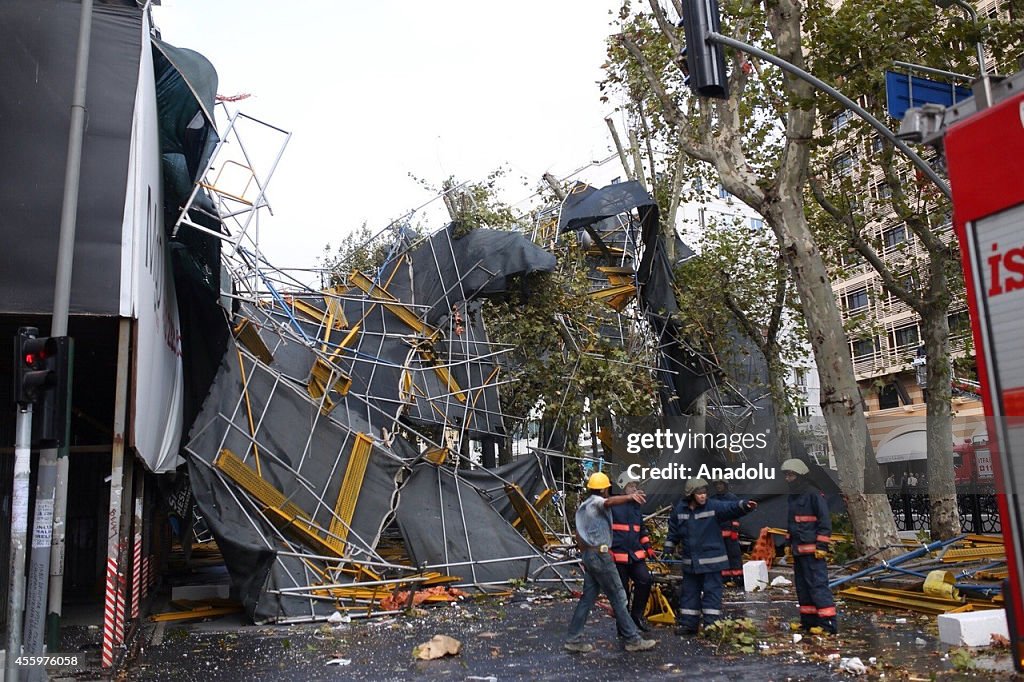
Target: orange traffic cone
(764,548)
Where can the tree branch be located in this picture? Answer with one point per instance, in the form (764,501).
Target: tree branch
(667,29)
(858,242)
(671,112)
(638,162)
(618,147)
(647,137)
(741,317)
(781,285)
(901,206)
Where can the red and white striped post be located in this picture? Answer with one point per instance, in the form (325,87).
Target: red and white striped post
(137,550)
(111,638)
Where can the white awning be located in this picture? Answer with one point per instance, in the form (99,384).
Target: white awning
(904,447)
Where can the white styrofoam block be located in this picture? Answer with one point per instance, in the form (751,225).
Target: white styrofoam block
(973,628)
(755,575)
(200,592)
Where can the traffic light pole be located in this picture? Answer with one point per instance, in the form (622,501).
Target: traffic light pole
(19,531)
(715,37)
(46,584)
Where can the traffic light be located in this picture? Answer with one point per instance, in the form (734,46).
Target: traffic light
(705,59)
(43,375)
(32,376)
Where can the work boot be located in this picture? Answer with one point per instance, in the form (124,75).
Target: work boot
(685,630)
(640,644)
(641,624)
(580,647)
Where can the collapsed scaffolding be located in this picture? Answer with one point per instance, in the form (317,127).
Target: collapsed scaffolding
(330,456)
(336,415)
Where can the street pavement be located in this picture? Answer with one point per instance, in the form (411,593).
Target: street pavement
(520,638)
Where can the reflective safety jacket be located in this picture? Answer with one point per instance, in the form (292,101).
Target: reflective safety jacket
(697,533)
(810,526)
(730,528)
(630,540)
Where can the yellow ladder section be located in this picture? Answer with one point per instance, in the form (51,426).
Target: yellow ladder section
(348,494)
(283,513)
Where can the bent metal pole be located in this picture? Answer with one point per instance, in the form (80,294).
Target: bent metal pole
(842,99)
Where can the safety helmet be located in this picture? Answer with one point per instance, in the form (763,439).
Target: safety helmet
(693,485)
(598,481)
(795,465)
(625,478)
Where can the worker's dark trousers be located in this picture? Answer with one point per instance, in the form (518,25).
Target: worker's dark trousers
(812,593)
(702,595)
(642,580)
(600,576)
(735,570)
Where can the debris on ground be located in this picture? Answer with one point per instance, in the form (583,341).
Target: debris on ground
(853,665)
(439,646)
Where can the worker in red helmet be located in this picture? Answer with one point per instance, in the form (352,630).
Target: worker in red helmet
(594,538)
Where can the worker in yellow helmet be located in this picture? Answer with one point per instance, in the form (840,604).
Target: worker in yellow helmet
(594,536)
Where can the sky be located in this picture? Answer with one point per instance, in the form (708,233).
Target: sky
(372,92)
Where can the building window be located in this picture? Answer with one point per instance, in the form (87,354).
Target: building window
(959,323)
(756,224)
(862,348)
(842,165)
(908,282)
(800,377)
(876,144)
(906,336)
(840,120)
(888,397)
(881,190)
(723,193)
(855,300)
(851,257)
(803,413)
(894,236)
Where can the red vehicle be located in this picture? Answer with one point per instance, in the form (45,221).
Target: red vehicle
(985,157)
(972,463)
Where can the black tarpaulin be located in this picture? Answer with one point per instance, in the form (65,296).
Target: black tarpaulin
(303,455)
(396,371)
(186,89)
(447,270)
(530,472)
(447,521)
(588,205)
(683,377)
(38,42)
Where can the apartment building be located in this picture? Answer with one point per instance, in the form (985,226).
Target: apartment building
(884,334)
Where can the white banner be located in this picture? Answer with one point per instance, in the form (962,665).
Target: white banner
(147,293)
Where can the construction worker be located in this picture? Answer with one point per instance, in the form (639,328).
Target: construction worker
(631,545)
(810,531)
(693,528)
(732,576)
(594,537)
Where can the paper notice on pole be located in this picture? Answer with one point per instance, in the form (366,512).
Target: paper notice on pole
(19,510)
(42,533)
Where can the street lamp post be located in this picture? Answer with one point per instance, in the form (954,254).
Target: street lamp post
(979,46)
